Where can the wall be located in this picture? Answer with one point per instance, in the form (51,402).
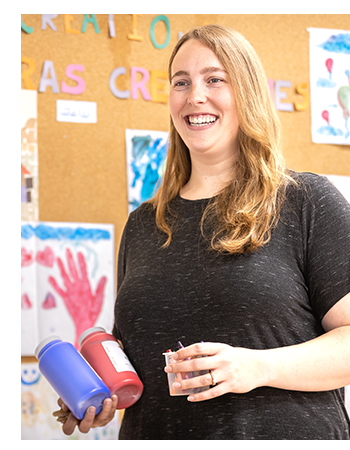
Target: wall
(82,167)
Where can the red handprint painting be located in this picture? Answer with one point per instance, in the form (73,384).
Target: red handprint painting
(67,273)
(82,303)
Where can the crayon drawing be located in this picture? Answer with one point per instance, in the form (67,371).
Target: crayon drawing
(67,273)
(146,151)
(29,155)
(39,401)
(330,86)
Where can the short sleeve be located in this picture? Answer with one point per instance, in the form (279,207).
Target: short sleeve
(326,228)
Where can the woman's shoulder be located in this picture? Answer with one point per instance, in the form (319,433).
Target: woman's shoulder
(311,179)
(143,214)
(312,185)
(315,190)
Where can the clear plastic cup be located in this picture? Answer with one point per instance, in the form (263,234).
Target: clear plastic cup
(173,377)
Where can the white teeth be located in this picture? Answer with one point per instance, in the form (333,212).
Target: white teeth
(201,120)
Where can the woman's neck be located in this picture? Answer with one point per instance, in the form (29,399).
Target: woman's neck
(207,180)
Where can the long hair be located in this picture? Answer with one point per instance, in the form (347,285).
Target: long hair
(243,214)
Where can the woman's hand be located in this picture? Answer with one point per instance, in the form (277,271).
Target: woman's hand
(234,369)
(90,420)
(300,367)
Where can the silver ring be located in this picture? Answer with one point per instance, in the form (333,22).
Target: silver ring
(213,382)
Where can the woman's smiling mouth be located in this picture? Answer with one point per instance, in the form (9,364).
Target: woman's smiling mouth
(201,120)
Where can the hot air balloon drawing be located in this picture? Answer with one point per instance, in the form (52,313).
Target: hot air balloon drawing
(344,102)
(327,82)
(329,65)
(330,90)
(329,129)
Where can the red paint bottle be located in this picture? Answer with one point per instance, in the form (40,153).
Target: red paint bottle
(102,351)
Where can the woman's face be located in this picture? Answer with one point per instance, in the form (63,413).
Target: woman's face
(201,101)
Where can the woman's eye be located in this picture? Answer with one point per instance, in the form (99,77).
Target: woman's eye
(215,80)
(180,84)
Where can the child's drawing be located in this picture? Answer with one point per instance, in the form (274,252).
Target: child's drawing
(146,152)
(67,280)
(330,86)
(39,401)
(29,155)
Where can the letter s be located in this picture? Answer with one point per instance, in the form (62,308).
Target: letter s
(302,90)
(81,85)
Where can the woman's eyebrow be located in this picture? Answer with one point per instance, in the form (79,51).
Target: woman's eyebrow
(179,73)
(212,69)
(202,72)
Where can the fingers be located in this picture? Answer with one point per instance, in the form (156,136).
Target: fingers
(208,394)
(69,425)
(71,264)
(197,360)
(54,284)
(198,349)
(70,421)
(90,420)
(107,413)
(200,382)
(97,305)
(63,413)
(62,405)
(190,365)
(184,383)
(100,288)
(86,423)
(82,266)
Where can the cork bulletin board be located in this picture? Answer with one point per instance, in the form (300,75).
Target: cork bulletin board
(82,167)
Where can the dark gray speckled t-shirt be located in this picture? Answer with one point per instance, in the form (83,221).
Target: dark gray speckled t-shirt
(276,296)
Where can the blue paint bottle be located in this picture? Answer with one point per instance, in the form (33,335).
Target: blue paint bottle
(71,376)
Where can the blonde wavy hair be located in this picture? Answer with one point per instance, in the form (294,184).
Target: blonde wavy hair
(242,215)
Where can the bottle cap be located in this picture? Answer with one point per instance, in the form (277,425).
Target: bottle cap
(44,342)
(89,331)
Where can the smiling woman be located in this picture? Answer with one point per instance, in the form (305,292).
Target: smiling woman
(244,261)
(234,153)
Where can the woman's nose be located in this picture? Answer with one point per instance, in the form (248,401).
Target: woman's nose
(196,95)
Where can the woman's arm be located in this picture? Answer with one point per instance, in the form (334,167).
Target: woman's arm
(317,365)
(320,364)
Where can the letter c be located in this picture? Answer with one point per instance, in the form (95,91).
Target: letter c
(114,75)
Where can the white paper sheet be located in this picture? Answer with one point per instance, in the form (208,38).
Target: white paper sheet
(67,274)
(330,86)
(76,111)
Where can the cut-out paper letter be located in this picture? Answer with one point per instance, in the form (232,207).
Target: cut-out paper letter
(68,18)
(25,28)
(46,19)
(158,89)
(302,90)
(26,73)
(139,85)
(91,19)
(112,79)
(279,95)
(134,36)
(111,25)
(157,19)
(271,85)
(81,85)
(45,81)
